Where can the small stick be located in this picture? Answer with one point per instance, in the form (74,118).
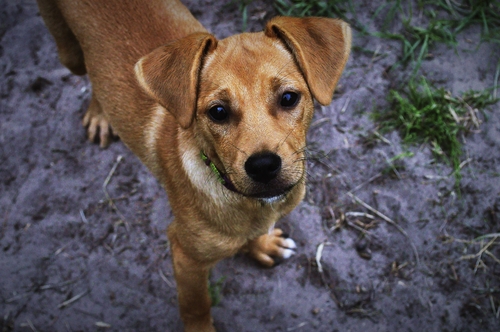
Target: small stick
(35,330)
(73,299)
(360,229)
(16,297)
(168,282)
(359,201)
(463,163)
(375,56)
(453,114)
(495,235)
(382,138)
(357,227)
(297,327)
(363,184)
(111,202)
(319,122)
(346,104)
(58,251)
(489,253)
(103,325)
(49,286)
(82,215)
(473,115)
(483,249)
(319,252)
(390,221)
(359,214)
(495,87)
(108,178)
(480,254)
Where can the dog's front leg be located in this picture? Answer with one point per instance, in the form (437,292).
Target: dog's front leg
(192,289)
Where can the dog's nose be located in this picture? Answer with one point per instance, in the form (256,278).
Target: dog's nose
(263,166)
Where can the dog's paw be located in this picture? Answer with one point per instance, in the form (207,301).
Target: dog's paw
(270,249)
(98,127)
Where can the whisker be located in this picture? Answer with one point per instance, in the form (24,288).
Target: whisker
(237,148)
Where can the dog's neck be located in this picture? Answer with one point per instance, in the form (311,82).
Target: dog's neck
(221,177)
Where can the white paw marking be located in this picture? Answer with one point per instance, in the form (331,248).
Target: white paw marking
(287,253)
(290,244)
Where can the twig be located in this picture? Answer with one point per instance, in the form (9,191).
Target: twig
(454,114)
(495,87)
(17,297)
(103,325)
(111,202)
(382,138)
(358,228)
(82,215)
(363,184)
(49,286)
(375,57)
(479,255)
(495,235)
(108,178)
(32,326)
(319,122)
(346,104)
(463,163)
(58,251)
(359,214)
(473,115)
(319,252)
(168,282)
(489,253)
(73,299)
(297,327)
(390,221)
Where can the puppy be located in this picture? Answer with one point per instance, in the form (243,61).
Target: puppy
(221,123)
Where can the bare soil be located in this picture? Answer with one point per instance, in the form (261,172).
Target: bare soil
(69,261)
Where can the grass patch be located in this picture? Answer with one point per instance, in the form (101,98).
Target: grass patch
(243,9)
(469,12)
(301,8)
(214,290)
(425,114)
(322,8)
(444,19)
(417,41)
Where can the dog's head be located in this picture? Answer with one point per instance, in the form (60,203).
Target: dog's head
(249,97)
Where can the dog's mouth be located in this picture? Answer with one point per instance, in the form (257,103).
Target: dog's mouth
(272,193)
(269,192)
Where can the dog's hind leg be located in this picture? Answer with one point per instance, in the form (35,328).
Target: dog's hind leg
(269,248)
(70,52)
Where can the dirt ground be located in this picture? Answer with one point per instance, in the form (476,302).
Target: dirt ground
(71,262)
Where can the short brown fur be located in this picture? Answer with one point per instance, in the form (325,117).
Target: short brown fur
(156,73)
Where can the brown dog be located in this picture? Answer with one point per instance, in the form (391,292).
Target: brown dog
(222,124)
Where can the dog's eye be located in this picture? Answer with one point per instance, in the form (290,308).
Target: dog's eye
(289,99)
(218,113)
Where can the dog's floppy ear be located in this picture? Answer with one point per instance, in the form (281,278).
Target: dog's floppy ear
(320,46)
(170,74)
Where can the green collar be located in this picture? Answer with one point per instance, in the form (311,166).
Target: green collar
(221,177)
